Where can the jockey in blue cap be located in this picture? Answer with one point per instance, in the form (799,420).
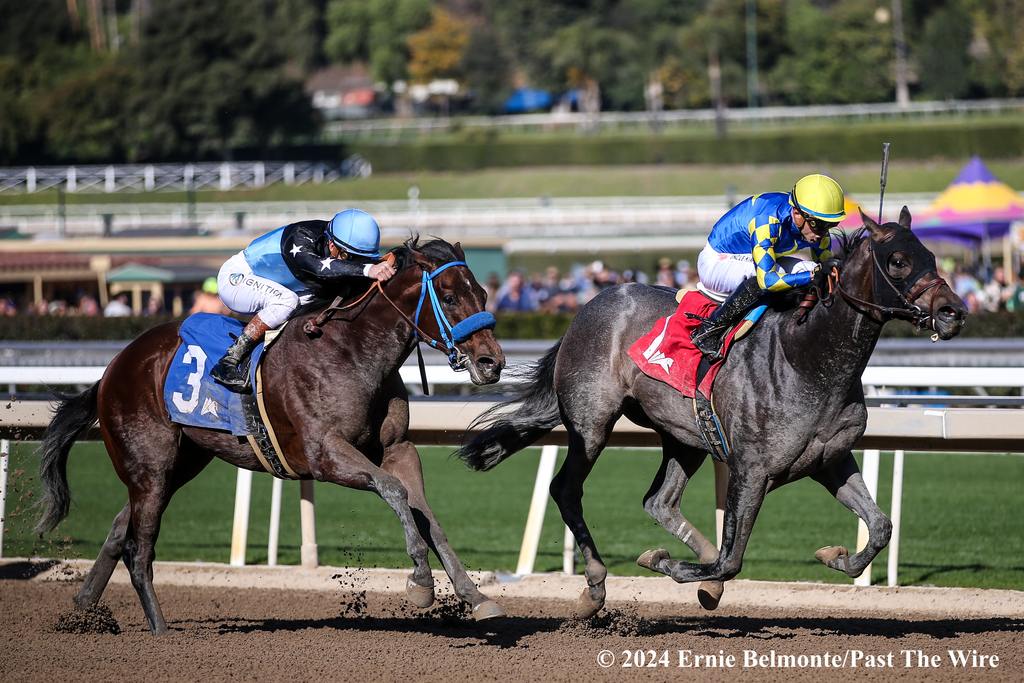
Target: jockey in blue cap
(287,267)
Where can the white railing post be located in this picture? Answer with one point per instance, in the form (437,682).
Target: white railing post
(538,504)
(188,176)
(149,178)
(259,174)
(109,180)
(307,514)
(240,526)
(895,513)
(72,179)
(569,553)
(289,173)
(5,452)
(721,494)
(30,179)
(274,531)
(225,176)
(870,473)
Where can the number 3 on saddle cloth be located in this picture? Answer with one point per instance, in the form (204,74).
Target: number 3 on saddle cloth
(667,354)
(195,399)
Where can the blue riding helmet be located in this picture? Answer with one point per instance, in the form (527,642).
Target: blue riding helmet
(356,232)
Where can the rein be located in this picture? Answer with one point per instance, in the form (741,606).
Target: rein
(450,334)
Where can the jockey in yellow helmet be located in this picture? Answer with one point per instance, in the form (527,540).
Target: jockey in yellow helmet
(749,250)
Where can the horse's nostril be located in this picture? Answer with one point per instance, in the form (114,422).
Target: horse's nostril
(486,362)
(949,313)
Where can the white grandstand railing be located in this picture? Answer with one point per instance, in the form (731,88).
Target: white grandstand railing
(396,128)
(175,177)
(584,217)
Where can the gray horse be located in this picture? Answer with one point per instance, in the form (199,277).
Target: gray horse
(789,398)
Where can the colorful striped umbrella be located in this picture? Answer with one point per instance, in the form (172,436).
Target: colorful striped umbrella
(976,206)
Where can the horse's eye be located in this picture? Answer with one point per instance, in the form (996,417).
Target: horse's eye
(449,299)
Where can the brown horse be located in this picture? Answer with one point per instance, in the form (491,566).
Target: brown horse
(337,403)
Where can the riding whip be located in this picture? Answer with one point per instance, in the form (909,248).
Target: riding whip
(881,181)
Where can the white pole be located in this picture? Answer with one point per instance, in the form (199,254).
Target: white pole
(5,451)
(569,553)
(895,514)
(870,474)
(535,518)
(721,494)
(307,514)
(275,521)
(240,528)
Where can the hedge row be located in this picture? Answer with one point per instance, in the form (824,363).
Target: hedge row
(510,326)
(833,144)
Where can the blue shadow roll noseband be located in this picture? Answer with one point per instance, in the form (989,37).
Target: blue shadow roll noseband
(450,334)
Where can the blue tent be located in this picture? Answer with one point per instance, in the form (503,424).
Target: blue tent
(527,99)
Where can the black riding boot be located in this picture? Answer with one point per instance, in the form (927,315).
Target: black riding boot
(229,370)
(709,336)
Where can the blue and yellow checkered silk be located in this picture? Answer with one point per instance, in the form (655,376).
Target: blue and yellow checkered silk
(762,226)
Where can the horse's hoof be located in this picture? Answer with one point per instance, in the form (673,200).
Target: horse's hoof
(709,594)
(834,556)
(419,596)
(651,558)
(488,609)
(586,606)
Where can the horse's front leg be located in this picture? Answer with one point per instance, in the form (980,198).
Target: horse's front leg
(402,460)
(844,481)
(746,493)
(344,464)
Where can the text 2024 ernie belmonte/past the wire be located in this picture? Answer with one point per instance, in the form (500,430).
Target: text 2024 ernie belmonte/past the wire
(771,659)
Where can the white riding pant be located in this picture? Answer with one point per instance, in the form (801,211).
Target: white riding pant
(724,273)
(244,292)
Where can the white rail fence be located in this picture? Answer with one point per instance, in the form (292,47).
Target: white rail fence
(225,175)
(920,428)
(394,128)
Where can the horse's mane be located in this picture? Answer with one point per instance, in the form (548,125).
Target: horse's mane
(436,249)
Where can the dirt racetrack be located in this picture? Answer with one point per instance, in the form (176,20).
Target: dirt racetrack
(352,625)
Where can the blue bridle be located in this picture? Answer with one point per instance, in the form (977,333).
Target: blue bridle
(450,334)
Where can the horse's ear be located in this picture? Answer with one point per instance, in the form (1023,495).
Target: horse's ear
(458,251)
(905,217)
(876,230)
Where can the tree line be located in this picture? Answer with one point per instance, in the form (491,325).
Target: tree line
(99,80)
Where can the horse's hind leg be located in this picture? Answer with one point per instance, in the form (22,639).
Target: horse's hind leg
(567,490)
(403,461)
(678,465)
(843,480)
(96,580)
(154,471)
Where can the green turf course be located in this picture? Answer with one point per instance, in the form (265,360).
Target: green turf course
(961,517)
(861,180)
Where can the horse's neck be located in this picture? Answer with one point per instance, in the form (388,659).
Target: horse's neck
(835,343)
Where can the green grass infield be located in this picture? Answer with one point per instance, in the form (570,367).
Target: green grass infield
(961,521)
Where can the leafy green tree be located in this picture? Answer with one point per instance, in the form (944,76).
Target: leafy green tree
(486,66)
(375,32)
(210,77)
(834,55)
(85,117)
(943,54)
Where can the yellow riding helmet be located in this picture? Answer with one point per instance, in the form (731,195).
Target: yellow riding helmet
(210,285)
(820,197)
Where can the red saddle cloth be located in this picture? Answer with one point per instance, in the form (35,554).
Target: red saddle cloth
(667,354)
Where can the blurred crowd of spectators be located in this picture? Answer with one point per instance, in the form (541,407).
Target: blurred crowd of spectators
(981,288)
(555,291)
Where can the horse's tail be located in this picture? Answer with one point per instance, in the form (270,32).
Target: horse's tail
(73,416)
(506,432)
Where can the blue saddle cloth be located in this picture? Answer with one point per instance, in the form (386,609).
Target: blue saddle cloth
(191,396)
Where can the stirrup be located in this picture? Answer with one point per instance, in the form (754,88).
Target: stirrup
(234,377)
